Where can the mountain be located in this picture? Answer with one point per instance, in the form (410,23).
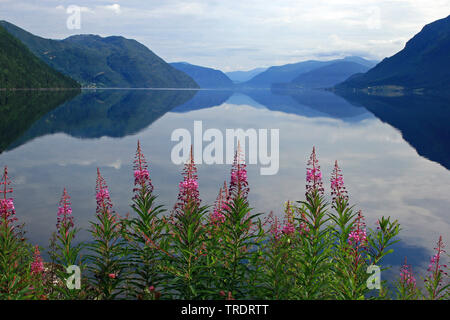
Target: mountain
(242,76)
(19,68)
(287,73)
(329,75)
(205,77)
(424,63)
(104,62)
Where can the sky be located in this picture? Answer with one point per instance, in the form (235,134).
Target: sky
(234,34)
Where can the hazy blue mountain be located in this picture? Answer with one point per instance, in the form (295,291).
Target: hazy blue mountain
(242,76)
(329,75)
(205,77)
(104,62)
(287,73)
(19,68)
(423,63)
(423,120)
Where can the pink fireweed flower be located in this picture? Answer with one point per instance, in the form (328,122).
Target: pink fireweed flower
(407,278)
(65,217)
(221,204)
(239,183)
(188,187)
(435,265)
(434,280)
(142,179)
(7,210)
(288,227)
(37,266)
(102,194)
(275,227)
(358,236)
(313,175)
(338,191)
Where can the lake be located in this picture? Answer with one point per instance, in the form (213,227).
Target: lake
(394,152)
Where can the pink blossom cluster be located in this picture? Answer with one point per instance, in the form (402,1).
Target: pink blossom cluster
(7,210)
(275,228)
(141,174)
(37,266)
(406,276)
(102,194)
(239,176)
(338,191)
(217,217)
(188,188)
(239,183)
(64,217)
(435,265)
(313,175)
(7,204)
(288,228)
(358,235)
(221,205)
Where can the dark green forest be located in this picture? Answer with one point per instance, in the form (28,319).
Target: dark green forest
(19,68)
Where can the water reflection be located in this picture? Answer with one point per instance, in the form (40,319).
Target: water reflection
(424,121)
(112,113)
(383,173)
(19,110)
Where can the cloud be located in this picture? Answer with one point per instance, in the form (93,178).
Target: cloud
(113,7)
(213,32)
(72,8)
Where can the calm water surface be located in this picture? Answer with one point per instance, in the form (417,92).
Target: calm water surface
(394,152)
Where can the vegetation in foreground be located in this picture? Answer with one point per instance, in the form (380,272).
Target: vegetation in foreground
(320,250)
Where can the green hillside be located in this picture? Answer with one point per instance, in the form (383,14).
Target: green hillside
(19,68)
(95,61)
(424,63)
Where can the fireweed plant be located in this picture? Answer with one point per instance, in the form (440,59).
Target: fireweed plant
(321,248)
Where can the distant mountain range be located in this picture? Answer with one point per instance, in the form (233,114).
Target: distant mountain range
(424,64)
(117,62)
(95,61)
(292,72)
(242,76)
(329,75)
(19,68)
(205,77)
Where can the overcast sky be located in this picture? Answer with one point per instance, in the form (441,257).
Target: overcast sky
(239,34)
